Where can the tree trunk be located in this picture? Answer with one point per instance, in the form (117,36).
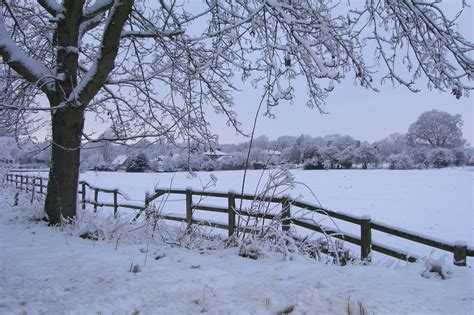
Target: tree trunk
(61,198)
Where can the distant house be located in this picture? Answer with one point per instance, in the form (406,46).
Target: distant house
(272,153)
(271,156)
(215,154)
(119,163)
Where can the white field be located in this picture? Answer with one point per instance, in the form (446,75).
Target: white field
(51,271)
(436,203)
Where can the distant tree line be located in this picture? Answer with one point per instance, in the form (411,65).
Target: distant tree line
(434,140)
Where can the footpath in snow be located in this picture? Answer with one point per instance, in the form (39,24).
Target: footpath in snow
(51,270)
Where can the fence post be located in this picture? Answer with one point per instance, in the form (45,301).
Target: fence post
(147,200)
(115,202)
(460,253)
(33,190)
(26,183)
(96,198)
(365,238)
(189,206)
(21,182)
(83,195)
(231,212)
(286,213)
(41,185)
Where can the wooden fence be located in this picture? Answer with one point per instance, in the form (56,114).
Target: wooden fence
(460,250)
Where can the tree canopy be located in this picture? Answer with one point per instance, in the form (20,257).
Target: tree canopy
(437,129)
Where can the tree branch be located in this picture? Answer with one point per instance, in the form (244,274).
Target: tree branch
(97,8)
(32,70)
(51,6)
(94,79)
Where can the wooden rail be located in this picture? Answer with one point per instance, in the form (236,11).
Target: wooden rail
(460,250)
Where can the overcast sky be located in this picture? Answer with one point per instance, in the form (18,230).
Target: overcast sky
(351,110)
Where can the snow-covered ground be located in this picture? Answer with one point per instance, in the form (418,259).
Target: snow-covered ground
(436,203)
(53,271)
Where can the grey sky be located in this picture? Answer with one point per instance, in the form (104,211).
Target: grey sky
(363,114)
(352,110)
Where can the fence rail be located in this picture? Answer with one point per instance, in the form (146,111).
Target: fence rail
(460,250)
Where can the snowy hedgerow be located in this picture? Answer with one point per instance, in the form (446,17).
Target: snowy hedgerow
(419,156)
(8,146)
(459,156)
(346,157)
(366,154)
(6,155)
(310,152)
(395,143)
(330,156)
(208,165)
(400,162)
(440,158)
(234,162)
(166,165)
(292,154)
(470,162)
(315,163)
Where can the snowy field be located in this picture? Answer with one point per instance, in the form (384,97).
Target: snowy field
(52,271)
(437,203)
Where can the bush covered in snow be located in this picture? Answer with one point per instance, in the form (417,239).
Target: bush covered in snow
(440,158)
(471,161)
(346,157)
(314,163)
(400,162)
(459,156)
(366,155)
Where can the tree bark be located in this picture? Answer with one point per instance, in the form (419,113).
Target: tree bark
(68,122)
(61,198)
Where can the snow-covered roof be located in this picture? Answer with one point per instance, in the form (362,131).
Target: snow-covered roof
(272,152)
(215,153)
(159,158)
(119,160)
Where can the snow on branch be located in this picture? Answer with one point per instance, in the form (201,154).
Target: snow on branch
(151,34)
(418,35)
(52,6)
(162,67)
(30,69)
(100,6)
(104,62)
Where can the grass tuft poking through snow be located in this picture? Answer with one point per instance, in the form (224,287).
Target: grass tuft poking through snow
(149,266)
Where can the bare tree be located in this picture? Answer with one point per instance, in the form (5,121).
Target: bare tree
(153,68)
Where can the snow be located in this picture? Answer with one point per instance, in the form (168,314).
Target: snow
(119,160)
(215,153)
(34,67)
(433,202)
(437,204)
(55,5)
(96,7)
(272,152)
(48,270)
